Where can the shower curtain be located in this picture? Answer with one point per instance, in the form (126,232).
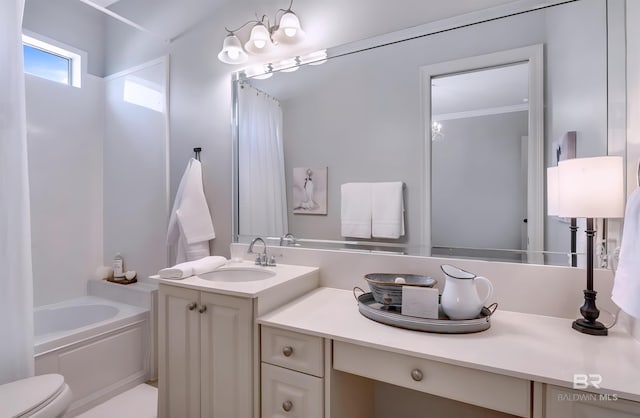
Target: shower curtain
(16,283)
(262,194)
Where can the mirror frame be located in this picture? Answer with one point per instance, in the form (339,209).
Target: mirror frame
(534,56)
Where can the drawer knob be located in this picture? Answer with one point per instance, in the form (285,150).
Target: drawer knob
(287,406)
(192,306)
(287,351)
(203,309)
(416,375)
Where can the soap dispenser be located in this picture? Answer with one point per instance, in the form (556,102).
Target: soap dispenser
(118,266)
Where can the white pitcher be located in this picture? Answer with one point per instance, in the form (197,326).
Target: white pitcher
(460,298)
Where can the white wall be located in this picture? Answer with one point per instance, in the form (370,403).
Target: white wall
(135,168)
(65,126)
(127,47)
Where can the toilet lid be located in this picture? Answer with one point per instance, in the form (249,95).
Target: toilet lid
(19,397)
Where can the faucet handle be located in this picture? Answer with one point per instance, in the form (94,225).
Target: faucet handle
(258,261)
(272,261)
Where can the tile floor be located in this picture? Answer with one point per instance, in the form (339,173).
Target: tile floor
(139,402)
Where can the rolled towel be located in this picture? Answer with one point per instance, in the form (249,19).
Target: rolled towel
(192,268)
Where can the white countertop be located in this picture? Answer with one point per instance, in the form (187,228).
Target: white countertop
(533,347)
(285,273)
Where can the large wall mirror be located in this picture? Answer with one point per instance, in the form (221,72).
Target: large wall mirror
(459,123)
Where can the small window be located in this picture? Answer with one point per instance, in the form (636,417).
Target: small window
(48,61)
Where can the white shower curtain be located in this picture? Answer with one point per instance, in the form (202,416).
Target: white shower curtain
(262,194)
(16,283)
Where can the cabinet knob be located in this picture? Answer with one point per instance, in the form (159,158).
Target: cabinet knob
(203,309)
(287,351)
(287,406)
(192,306)
(416,375)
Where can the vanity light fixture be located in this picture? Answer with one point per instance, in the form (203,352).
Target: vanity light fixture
(264,37)
(590,188)
(262,71)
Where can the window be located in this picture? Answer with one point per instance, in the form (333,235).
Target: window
(54,63)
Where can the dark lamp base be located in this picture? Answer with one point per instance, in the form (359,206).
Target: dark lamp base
(591,328)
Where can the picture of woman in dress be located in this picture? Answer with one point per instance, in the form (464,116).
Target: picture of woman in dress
(309,190)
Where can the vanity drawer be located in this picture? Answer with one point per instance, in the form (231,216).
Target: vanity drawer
(291,394)
(485,389)
(300,352)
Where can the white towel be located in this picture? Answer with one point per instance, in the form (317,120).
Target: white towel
(192,268)
(190,225)
(626,287)
(355,212)
(387,210)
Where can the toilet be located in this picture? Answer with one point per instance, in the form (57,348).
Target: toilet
(44,396)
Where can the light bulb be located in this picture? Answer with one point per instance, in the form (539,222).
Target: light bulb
(290,32)
(259,43)
(233,54)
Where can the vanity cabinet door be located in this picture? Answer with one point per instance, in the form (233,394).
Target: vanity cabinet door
(289,394)
(567,403)
(178,352)
(205,355)
(226,356)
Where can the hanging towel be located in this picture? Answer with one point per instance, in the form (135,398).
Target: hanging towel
(190,226)
(626,286)
(387,210)
(355,212)
(192,268)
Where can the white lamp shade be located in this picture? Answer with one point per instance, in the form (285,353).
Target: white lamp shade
(289,30)
(259,41)
(232,52)
(552,191)
(591,187)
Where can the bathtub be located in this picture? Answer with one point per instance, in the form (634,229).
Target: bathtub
(101,347)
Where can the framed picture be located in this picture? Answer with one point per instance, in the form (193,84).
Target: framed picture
(565,147)
(310,191)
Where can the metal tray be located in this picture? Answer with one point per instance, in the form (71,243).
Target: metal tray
(443,325)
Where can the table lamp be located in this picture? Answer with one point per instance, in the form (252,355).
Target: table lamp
(590,188)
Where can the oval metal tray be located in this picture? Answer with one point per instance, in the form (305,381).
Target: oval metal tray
(443,325)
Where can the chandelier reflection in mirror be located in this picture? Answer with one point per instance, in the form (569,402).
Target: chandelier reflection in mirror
(264,38)
(436,131)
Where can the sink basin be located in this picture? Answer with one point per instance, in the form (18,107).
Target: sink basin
(237,275)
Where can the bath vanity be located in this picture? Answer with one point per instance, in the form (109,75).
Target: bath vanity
(208,338)
(321,358)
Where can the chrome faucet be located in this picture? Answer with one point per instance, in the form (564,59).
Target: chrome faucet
(288,238)
(262,259)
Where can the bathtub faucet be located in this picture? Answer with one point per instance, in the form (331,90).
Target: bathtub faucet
(288,239)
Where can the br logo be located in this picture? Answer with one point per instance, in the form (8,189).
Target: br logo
(584,381)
